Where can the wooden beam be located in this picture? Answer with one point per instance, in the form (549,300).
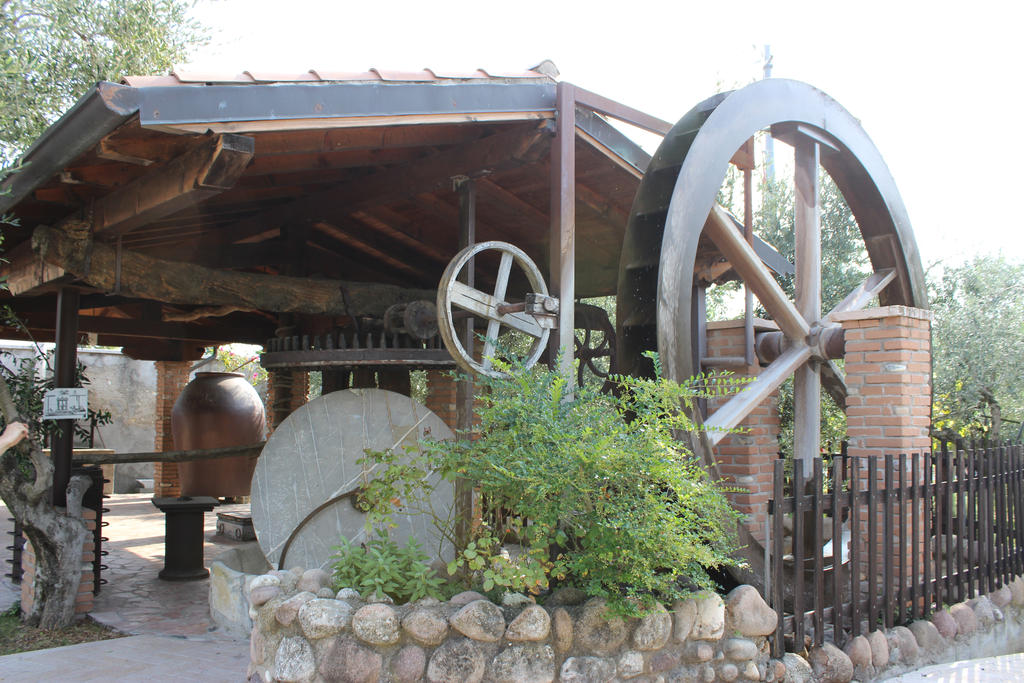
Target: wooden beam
(199,173)
(537,218)
(251,450)
(562,245)
(376,249)
(174,282)
(145,329)
(509,149)
(26,273)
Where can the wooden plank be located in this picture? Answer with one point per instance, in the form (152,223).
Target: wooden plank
(961,521)
(837,551)
(856,539)
(916,604)
(199,173)
(799,542)
(622,112)
(972,522)
(251,450)
(904,550)
(486,306)
(889,530)
(948,498)
(872,612)
(464,397)
(926,555)
(778,534)
(819,558)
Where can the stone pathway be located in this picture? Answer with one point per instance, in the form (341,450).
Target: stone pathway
(988,670)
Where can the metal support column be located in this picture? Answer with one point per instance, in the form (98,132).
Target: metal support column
(563,227)
(66,362)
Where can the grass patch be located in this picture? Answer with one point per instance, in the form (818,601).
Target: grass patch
(16,637)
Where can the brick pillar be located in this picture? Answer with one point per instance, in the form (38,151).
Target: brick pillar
(745,460)
(287,391)
(888,405)
(441,396)
(171,378)
(84,599)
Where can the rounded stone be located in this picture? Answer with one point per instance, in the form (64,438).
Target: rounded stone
(298,571)
(879,649)
(751,672)
(263,594)
(1002,597)
(524,664)
(325,593)
(562,628)
(859,652)
(264,580)
(346,661)
(376,624)
(747,613)
(945,624)
(313,580)
(966,621)
(256,644)
(480,620)
(288,579)
(294,662)
(798,669)
(566,596)
(928,637)
(348,594)
(685,614)
(663,660)
(728,672)
(597,631)
(457,661)
(710,621)
(739,649)
(831,665)
(631,664)
(321,617)
(533,623)
(466,597)
(408,663)
(698,652)
(510,599)
(653,630)
(1017,592)
(778,669)
(985,611)
(289,609)
(425,626)
(902,645)
(587,670)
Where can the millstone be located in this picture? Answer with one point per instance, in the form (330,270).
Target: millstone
(311,458)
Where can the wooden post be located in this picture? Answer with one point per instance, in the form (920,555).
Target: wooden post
(563,228)
(66,362)
(807,378)
(464,387)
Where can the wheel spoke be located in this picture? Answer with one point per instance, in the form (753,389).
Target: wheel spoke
(486,306)
(743,258)
(834,382)
(864,292)
(808,229)
(739,406)
(807,412)
(504,270)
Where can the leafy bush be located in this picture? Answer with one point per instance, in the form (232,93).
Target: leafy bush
(580,487)
(380,567)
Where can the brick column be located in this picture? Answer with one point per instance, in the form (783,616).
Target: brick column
(287,391)
(171,378)
(441,396)
(888,404)
(745,460)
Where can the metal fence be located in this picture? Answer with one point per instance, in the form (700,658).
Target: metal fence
(860,543)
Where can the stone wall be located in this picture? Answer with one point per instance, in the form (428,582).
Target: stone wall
(304,631)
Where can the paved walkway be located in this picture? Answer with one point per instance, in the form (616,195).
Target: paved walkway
(989,670)
(172,637)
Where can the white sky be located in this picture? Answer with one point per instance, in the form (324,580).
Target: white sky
(932,82)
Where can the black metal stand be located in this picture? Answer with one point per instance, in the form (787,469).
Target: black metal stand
(183,537)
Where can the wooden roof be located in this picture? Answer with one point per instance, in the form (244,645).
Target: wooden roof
(349,180)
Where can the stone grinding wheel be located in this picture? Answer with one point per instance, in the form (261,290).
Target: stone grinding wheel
(310,459)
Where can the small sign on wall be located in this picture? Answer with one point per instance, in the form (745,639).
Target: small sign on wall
(66,404)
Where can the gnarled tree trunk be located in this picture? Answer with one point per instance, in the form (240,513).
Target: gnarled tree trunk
(57,535)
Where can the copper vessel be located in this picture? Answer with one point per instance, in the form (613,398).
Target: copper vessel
(217,410)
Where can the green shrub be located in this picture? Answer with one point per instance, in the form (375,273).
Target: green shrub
(594,489)
(380,567)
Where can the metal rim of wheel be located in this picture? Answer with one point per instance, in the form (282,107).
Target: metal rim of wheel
(675,208)
(453,294)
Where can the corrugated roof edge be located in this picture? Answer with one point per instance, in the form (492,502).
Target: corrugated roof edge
(545,72)
(105,107)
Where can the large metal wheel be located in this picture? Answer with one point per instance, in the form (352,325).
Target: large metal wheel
(676,230)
